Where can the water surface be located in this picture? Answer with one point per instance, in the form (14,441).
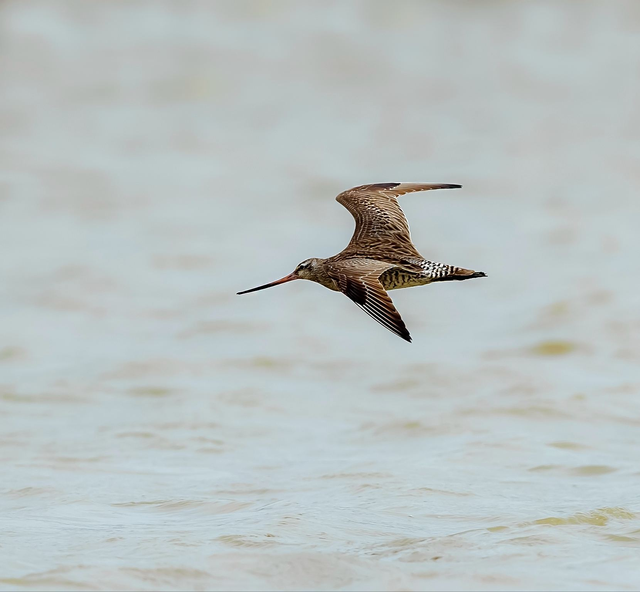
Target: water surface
(159,432)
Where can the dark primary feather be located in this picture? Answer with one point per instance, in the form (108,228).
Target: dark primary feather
(359,280)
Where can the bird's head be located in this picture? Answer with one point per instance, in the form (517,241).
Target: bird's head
(307,270)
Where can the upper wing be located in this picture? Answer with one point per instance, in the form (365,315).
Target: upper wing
(380,223)
(359,280)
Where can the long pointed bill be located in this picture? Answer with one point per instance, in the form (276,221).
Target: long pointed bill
(284,280)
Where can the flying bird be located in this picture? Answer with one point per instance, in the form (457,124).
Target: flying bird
(380,255)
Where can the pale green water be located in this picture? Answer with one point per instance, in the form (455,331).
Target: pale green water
(160,432)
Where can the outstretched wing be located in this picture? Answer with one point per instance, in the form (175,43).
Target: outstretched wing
(359,280)
(380,223)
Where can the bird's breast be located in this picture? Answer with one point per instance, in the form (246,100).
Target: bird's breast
(327,282)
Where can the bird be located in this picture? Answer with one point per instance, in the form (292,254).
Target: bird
(380,256)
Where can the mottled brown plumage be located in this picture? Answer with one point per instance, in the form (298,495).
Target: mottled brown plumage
(380,255)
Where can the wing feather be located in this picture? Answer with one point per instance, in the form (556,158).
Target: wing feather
(359,280)
(380,222)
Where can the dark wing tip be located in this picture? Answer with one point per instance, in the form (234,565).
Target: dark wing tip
(435,185)
(400,330)
(388,186)
(446,186)
(403,331)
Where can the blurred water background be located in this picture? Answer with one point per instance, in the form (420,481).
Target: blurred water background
(159,432)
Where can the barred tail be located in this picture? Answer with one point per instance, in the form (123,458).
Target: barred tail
(459,274)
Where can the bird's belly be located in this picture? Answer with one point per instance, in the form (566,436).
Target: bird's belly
(396,278)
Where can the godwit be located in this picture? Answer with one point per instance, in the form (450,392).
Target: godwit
(380,256)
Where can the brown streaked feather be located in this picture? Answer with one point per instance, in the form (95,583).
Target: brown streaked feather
(359,280)
(381,226)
